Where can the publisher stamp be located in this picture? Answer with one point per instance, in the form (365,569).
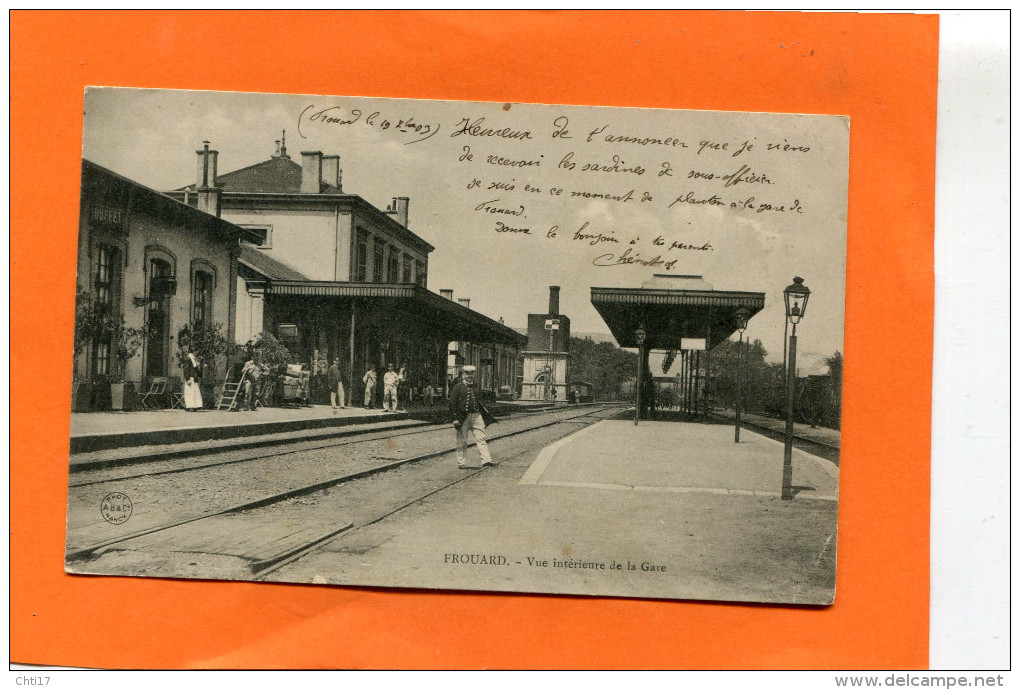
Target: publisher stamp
(116,508)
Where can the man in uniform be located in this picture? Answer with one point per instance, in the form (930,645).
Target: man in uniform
(334,381)
(369,380)
(467,419)
(390,381)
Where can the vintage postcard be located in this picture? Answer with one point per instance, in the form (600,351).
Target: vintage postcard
(455,345)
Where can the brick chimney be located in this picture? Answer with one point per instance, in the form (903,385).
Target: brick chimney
(207,192)
(447,293)
(311,172)
(398,209)
(464,302)
(554,300)
(331,171)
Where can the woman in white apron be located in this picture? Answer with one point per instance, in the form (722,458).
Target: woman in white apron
(192,377)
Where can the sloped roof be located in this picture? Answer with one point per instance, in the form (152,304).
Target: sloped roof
(262,263)
(146,199)
(274,176)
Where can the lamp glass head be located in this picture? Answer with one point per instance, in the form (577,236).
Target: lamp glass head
(796,296)
(741,317)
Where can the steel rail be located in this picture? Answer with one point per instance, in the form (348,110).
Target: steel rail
(86,551)
(345,440)
(301,551)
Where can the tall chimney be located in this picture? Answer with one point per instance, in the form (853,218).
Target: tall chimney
(208,194)
(206,166)
(554,300)
(311,172)
(464,302)
(331,171)
(447,293)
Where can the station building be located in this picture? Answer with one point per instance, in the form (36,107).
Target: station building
(333,276)
(158,263)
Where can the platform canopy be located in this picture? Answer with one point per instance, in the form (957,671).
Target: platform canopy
(671,308)
(450,319)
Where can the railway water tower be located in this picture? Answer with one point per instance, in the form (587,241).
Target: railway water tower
(547,353)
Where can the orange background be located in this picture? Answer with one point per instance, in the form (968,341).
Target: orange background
(881,70)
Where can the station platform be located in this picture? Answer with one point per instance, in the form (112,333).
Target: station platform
(678,457)
(99,431)
(93,431)
(663,509)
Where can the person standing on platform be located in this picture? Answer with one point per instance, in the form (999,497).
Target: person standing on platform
(390,380)
(336,384)
(369,380)
(430,395)
(403,386)
(250,375)
(192,379)
(467,419)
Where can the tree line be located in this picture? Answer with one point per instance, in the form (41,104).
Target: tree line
(817,398)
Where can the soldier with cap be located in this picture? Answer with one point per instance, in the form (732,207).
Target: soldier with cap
(467,418)
(390,380)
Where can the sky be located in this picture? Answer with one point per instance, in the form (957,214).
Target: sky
(518,197)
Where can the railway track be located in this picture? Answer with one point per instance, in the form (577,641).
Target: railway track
(179,462)
(250,528)
(266,569)
(821,449)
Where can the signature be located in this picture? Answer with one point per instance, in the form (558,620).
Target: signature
(629,258)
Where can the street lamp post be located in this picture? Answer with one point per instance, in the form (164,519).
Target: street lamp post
(741,325)
(639,336)
(796,296)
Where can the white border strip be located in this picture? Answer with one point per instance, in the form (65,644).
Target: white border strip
(688,489)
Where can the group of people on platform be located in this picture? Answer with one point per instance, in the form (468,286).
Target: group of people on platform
(470,416)
(395,392)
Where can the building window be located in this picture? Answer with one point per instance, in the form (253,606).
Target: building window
(408,265)
(267,243)
(102,358)
(361,258)
(379,262)
(106,288)
(202,288)
(160,272)
(393,273)
(104,276)
(419,273)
